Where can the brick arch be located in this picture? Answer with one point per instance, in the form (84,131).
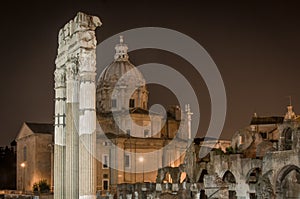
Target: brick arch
(283,173)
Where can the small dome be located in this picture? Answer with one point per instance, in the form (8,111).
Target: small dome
(111,74)
(109,87)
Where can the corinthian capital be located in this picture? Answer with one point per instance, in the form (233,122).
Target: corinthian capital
(72,69)
(59,77)
(87,61)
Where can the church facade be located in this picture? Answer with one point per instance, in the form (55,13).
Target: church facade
(34,155)
(131,136)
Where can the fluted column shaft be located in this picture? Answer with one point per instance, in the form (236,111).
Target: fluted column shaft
(75,113)
(59,136)
(72,137)
(87,125)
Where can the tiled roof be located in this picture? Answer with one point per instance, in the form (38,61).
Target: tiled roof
(267,120)
(41,127)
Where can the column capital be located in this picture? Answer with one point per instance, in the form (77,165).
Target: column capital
(87,62)
(72,68)
(59,78)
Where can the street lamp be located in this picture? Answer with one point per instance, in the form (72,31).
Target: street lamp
(23,165)
(141,159)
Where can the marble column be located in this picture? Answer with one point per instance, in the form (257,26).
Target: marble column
(72,137)
(59,136)
(76,54)
(87,103)
(84,28)
(87,125)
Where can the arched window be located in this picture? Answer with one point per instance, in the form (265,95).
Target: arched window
(229,177)
(24,153)
(131,103)
(288,140)
(287,180)
(114,103)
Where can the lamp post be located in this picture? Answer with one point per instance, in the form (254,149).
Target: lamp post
(23,165)
(141,159)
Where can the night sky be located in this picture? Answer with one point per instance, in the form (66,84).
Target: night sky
(256,47)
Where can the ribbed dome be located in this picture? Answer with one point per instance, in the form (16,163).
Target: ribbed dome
(112,73)
(130,78)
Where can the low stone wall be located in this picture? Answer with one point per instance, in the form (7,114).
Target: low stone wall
(8,196)
(19,195)
(157,190)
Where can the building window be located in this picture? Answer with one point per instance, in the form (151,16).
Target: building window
(114,103)
(128,131)
(105,184)
(106,143)
(240,139)
(263,135)
(25,153)
(146,133)
(131,103)
(127,161)
(105,161)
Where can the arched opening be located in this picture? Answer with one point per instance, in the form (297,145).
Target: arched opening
(201,180)
(252,179)
(287,134)
(229,178)
(24,153)
(253,175)
(288,182)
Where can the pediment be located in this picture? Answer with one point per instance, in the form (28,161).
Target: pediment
(24,132)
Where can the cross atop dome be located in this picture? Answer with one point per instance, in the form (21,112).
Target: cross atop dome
(121,50)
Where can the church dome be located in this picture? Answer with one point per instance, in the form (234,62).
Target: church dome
(111,74)
(116,80)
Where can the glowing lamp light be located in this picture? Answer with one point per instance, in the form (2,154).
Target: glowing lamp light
(141,159)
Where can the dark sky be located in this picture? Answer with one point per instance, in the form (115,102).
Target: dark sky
(255,44)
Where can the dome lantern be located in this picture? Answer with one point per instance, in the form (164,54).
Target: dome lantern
(121,50)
